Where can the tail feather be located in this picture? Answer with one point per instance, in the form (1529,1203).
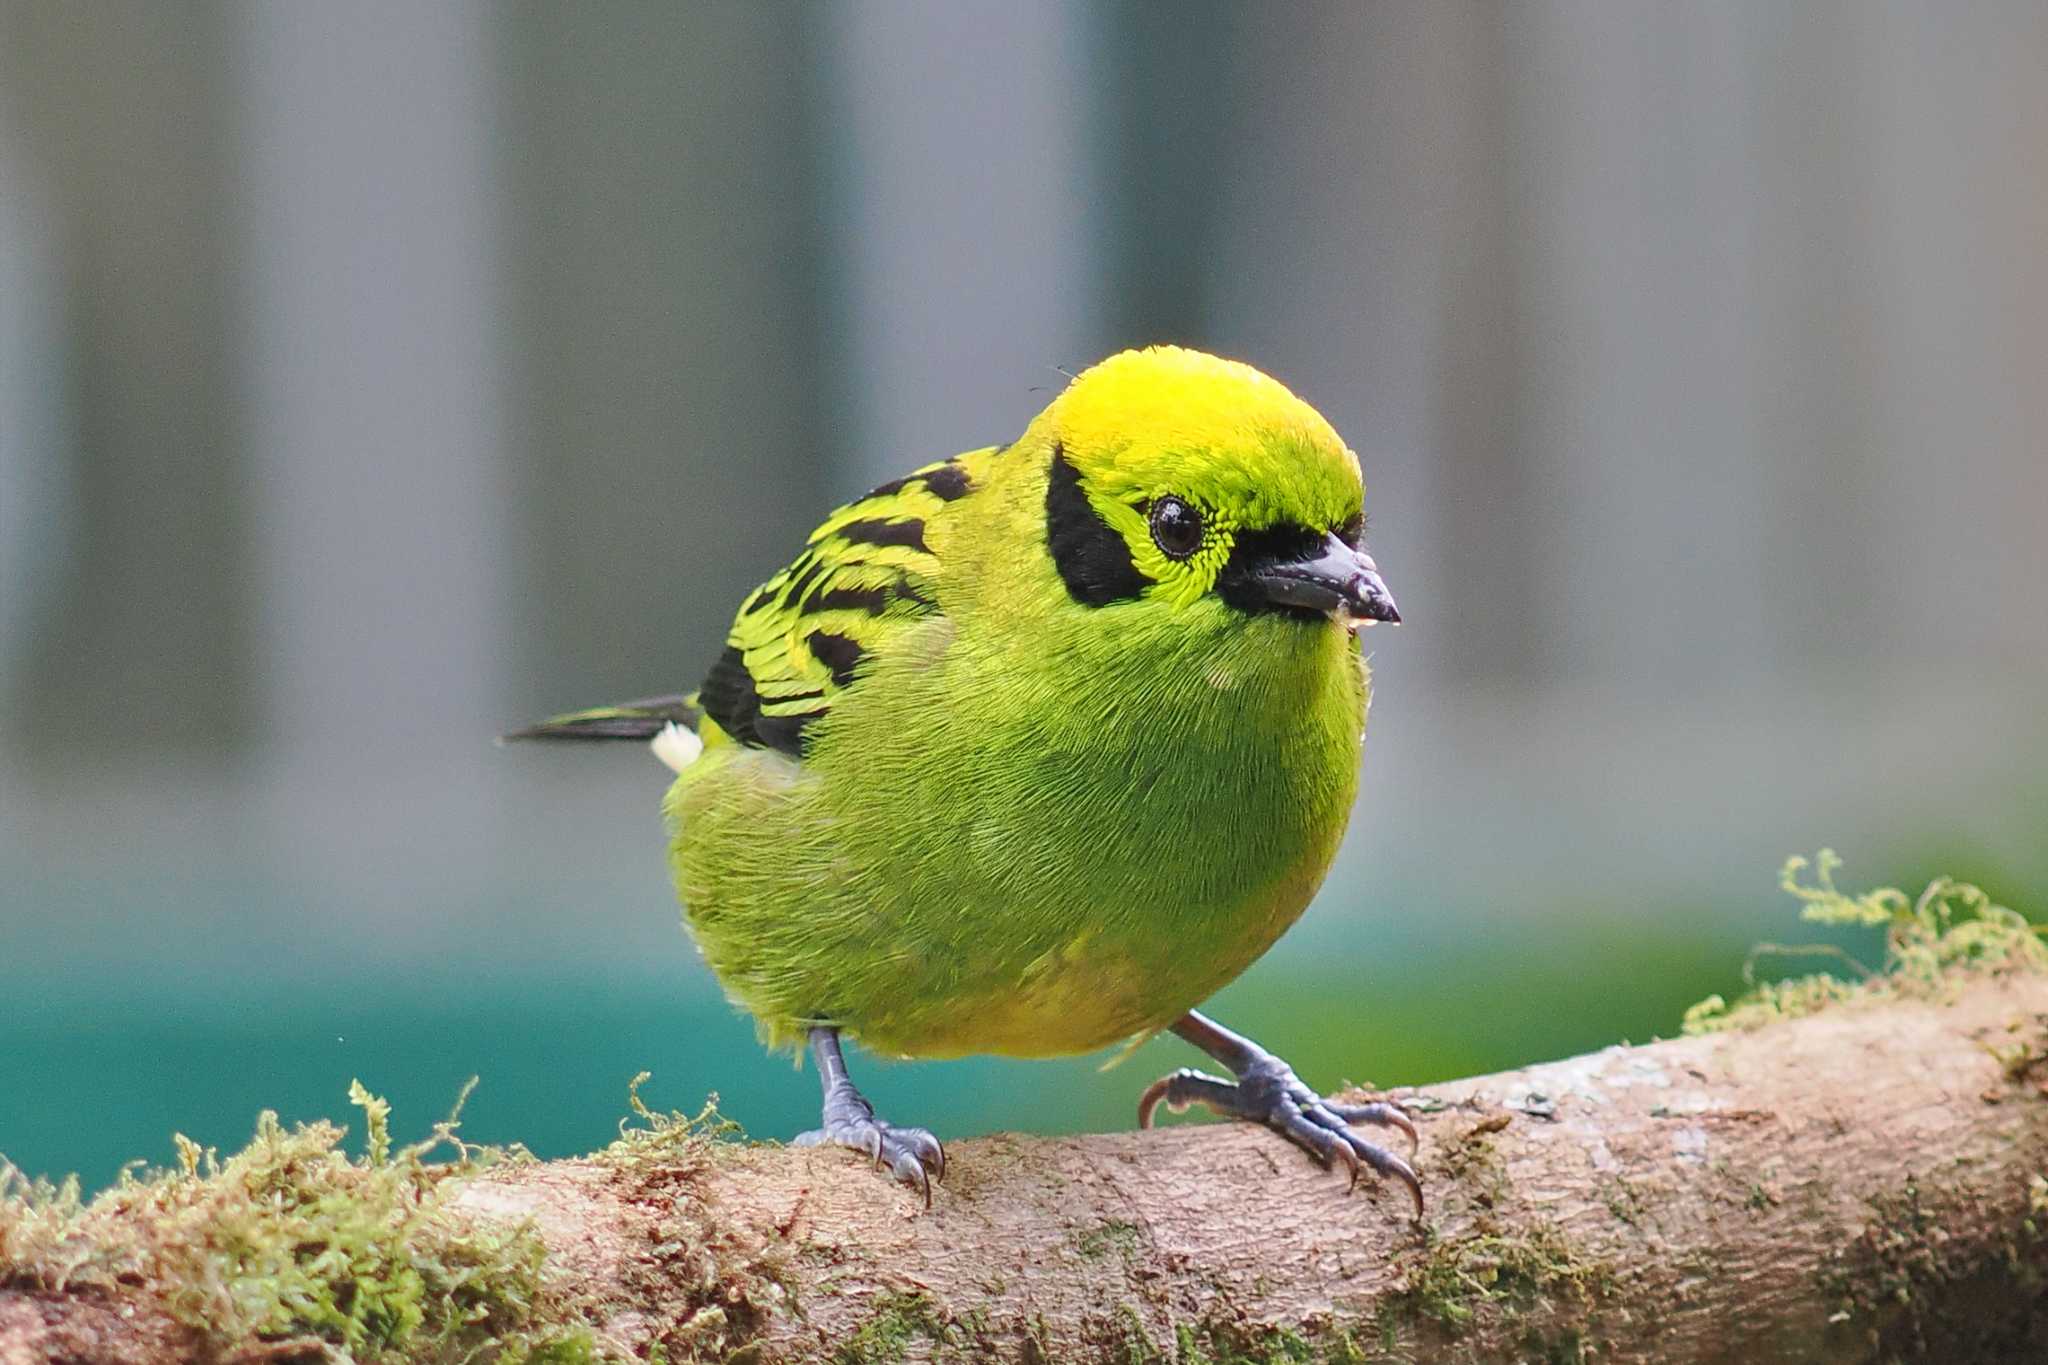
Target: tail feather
(642,720)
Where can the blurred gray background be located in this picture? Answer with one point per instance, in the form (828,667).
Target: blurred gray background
(376,377)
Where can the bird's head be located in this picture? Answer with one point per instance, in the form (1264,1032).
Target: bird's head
(1176,476)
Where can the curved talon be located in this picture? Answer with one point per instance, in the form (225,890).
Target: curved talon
(1381,1113)
(1149,1101)
(1267,1091)
(907,1168)
(930,1152)
(1184,1088)
(1341,1148)
(1407,1177)
(912,1155)
(1386,1163)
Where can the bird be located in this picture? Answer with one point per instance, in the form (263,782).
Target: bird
(1032,750)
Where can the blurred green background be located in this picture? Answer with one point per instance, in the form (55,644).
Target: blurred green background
(373,378)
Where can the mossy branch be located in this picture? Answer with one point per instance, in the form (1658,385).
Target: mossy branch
(1867,1181)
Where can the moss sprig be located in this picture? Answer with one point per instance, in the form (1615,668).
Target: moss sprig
(1951,928)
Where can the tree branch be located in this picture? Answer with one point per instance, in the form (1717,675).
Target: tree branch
(1863,1184)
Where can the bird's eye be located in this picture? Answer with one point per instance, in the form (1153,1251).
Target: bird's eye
(1176,528)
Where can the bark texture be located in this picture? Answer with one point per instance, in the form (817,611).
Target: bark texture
(1864,1184)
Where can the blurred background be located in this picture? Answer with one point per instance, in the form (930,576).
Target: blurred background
(376,377)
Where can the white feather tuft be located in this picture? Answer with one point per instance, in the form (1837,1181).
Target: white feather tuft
(676,747)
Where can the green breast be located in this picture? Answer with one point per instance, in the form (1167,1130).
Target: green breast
(984,853)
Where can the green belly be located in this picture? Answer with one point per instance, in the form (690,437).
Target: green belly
(1045,888)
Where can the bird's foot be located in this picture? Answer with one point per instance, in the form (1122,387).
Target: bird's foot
(1267,1091)
(912,1155)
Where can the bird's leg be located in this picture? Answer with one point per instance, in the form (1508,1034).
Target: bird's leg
(912,1155)
(1267,1091)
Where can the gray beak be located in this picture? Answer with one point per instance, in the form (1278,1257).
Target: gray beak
(1334,579)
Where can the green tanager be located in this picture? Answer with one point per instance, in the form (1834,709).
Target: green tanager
(1032,750)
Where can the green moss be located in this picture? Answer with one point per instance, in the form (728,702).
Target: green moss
(1951,929)
(897,1321)
(1476,1163)
(1510,1273)
(651,1137)
(293,1238)
(1623,1200)
(1905,1285)
(1224,1341)
(1111,1235)
(1219,1344)
(720,1293)
(1566,1348)
(1136,1343)
(1343,1349)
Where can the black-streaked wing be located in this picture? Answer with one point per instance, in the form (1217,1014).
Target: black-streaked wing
(865,577)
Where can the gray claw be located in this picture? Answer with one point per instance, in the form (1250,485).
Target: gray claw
(1268,1092)
(912,1155)
(1320,1129)
(1381,1113)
